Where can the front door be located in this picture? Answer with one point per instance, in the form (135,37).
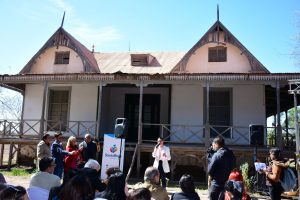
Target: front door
(150,114)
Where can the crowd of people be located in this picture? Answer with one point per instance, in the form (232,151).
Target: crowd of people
(73,173)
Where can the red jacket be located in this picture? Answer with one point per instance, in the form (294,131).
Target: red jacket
(71,160)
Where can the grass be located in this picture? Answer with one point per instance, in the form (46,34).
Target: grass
(18,171)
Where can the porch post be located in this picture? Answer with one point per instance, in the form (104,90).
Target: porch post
(42,120)
(287,128)
(99,109)
(22,114)
(207,131)
(278,127)
(297,137)
(140,113)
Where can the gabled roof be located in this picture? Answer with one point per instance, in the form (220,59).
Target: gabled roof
(162,63)
(63,38)
(256,66)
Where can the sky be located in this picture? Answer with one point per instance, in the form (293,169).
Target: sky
(268,29)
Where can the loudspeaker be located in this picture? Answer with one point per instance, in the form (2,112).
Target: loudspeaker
(121,127)
(256,134)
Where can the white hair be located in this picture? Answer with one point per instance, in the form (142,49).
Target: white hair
(91,163)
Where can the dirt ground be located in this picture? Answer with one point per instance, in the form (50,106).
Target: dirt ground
(18,180)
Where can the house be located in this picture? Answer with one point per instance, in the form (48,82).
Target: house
(216,88)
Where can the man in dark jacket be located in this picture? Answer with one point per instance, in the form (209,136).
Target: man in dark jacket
(219,168)
(58,154)
(89,148)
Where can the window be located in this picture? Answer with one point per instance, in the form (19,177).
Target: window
(220,111)
(217,54)
(58,110)
(139,59)
(62,57)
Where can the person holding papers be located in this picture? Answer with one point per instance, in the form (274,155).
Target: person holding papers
(273,172)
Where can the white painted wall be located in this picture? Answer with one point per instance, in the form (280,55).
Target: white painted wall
(83,104)
(33,100)
(248,108)
(187,108)
(236,62)
(44,64)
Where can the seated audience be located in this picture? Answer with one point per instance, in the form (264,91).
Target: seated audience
(2,179)
(77,188)
(11,192)
(116,187)
(54,192)
(234,187)
(91,170)
(139,194)
(151,182)
(187,186)
(109,172)
(45,178)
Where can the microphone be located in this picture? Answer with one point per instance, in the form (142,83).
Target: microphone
(156,145)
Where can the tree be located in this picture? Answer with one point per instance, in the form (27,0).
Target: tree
(10,104)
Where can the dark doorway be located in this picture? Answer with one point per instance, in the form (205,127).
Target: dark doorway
(150,114)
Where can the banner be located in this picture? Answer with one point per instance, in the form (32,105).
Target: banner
(111,153)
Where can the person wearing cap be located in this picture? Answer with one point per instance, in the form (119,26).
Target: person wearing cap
(161,155)
(43,148)
(58,154)
(221,164)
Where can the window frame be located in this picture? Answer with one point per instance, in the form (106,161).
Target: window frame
(66,89)
(62,58)
(219,55)
(220,89)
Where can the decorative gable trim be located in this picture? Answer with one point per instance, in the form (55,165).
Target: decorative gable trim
(212,36)
(63,38)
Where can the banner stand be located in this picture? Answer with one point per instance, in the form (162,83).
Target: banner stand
(113,153)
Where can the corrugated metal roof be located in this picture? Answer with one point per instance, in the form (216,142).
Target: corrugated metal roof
(159,78)
(121,62)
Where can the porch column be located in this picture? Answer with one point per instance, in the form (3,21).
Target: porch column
(140,128)
(100,90)
(140,113)
(297,137)
(278,127)
(207,129)
(42,120)
(22,114)
(286,127)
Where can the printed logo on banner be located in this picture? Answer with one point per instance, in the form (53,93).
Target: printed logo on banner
(113,148)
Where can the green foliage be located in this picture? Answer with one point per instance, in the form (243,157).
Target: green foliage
(245,169)
(19,172)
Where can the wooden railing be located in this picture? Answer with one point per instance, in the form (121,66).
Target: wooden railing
(174,133)
(31,128)
(234,135)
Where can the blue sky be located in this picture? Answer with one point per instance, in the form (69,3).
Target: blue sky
(268,29)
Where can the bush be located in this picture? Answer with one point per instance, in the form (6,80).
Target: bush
(245,169)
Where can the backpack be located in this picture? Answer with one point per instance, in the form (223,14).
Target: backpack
(288,179)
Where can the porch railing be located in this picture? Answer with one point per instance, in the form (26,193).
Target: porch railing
(31,128)
(175,133)
(234,135)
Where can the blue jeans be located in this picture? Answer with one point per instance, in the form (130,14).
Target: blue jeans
(58,170)
(215,192)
